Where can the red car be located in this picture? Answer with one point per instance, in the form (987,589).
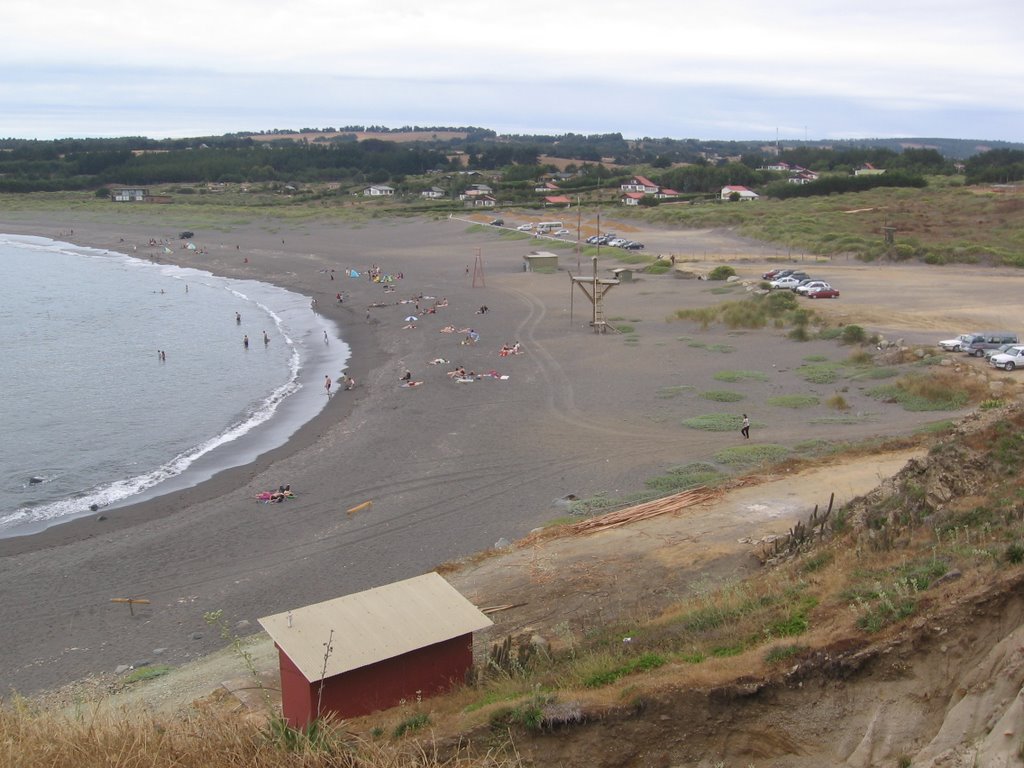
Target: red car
(826,293)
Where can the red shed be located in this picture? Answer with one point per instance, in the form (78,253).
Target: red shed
(409,639)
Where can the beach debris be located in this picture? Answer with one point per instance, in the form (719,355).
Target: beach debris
(132,602)
(360,507)
(411,319)
(36,480)
(645,511)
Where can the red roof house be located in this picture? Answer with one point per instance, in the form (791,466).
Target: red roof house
(409,639)
(557,200)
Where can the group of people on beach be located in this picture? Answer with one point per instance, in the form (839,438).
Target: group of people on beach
(276,497)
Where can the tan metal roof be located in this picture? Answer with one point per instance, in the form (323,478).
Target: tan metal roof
(374,625)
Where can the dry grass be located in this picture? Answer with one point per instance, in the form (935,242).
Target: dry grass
(42,740)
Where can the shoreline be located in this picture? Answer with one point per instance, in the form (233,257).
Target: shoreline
(362,358)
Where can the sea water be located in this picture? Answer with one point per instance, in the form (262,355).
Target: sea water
(92,415)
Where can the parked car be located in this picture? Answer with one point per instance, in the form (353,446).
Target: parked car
(633,245)
(616,242)
(811,285)
(824,293)
(997,350)
(978,343)
(592,240)
(785,282)
(772,274)
(497,222)
(953,345)
(561,232)
(1008,360)
(525,227)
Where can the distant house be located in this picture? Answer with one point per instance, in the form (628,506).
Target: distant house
(400,641)
(480,201)
(640,184)
(129,195)
(474,190)
(434,193)
(743,192)
(547,187)
(557,200)
(666,194)
(379,190)
(803,177)
(631,198)
(776,166)
(868,170)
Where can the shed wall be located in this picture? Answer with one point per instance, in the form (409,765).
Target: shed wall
(429,671)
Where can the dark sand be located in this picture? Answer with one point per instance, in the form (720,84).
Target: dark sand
(450,468)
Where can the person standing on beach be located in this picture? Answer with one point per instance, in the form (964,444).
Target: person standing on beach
(327,384)
(745,431)
(245,341)
(266,339)
(238,319)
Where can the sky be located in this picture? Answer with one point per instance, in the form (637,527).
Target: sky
(705,69)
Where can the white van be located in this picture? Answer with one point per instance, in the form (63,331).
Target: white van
(548,226)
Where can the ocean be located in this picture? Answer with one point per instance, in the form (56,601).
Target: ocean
(93,416)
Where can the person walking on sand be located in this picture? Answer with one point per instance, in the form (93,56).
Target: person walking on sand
(745,431)
(238,319)
(245,341)
(327,384)
(266,339)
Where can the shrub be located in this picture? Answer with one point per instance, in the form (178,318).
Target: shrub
(853,334)
(837,402)
(722,272)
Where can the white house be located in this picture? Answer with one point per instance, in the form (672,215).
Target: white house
(434,193)
(129,195)
(640,184)
(480,201)
(868,170)
(379,190)
(743,192)
(631,198)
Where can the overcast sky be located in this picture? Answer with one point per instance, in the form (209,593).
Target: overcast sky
(709,69)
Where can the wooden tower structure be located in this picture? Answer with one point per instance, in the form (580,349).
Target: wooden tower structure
(594,288)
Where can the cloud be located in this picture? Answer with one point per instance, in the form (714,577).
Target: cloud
(876,64)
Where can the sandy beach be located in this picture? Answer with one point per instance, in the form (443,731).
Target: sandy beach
(450,468)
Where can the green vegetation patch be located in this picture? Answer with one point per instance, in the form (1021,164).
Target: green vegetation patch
(641,663)
(736,376)
(410,724)
(722,396)
(923,393)
(794,401)
(715,422)
(147,673)
(747,456)
(819,373)
(687,476)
